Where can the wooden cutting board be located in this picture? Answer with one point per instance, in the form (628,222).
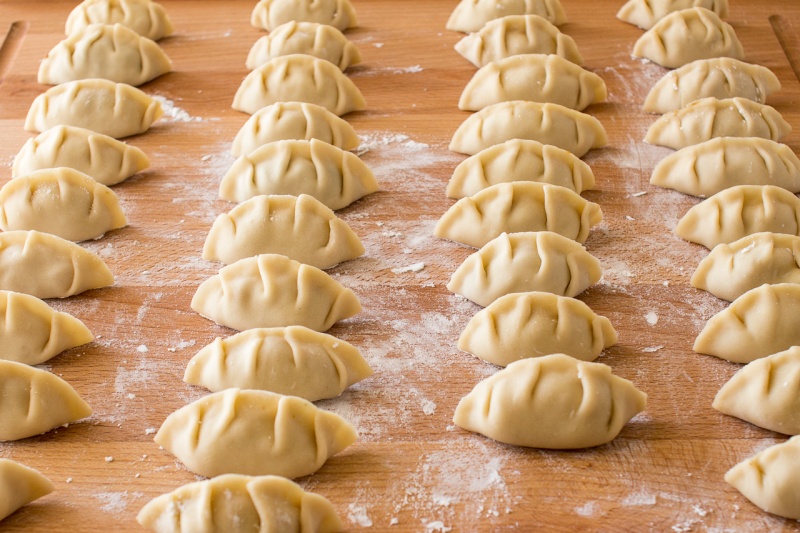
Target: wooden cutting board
(411,469)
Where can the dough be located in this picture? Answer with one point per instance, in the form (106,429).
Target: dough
(294,360)
(738,212)
(534,324)
(118,110)
(514,35)
(20,485)
(515,207)
(761,322)
(47,266)
(533,78)
(111,52)
(318,40)
(105,159)
(271,434)
(546,123)
(472,15)
(32,332)
(301,228)
(645,13)
(272,290)
(554,402)
(269,14)
(147,18)
(298,78)
(687,35)
(522,262)
(34,401)
(236,503)
(731,270)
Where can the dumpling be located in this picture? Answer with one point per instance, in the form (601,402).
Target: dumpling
(148,19)
(687,35)
(298,78)
(19,486)
(60,201)
(766,393)
(310,38)
(471,15)
(708,118)
(301,228)
(546,123)
(534,324)
(293,120)
(32,332)
(111,52)
(731,270)
(334,177)
(516,207)
(738,212)
(236,503)
(272,290)
(533,78)
(713,166)
(269,14)
(34,401)
(720,78)
(514,35)
(760,322)
(271,434)
(118,110)
(645,13)
(47,266)
(553,402)
(769,479)
(523,262)
(294,360)
(519,160)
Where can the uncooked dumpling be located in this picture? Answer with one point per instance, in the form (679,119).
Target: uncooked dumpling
(269,14)
(319,40)
(20,485)
(147,18)
(472,15)
(645,13)
(554,402)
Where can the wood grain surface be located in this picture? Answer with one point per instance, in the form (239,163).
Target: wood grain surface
(411,470)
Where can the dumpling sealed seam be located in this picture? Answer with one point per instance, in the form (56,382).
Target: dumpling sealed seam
(319,40)
(472,15)
(19,486)
(270,14)
(145,17)
(645,13)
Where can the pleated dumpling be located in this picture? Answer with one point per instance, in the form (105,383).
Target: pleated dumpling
(236,503)
(547,123)
(269,14)
(145,17)
(293,120)
(533,324)
(111,52)
(688,35)
(731,270)
(255,433)
(721,78)
(533,78)
(472,15)
(524,262)
(32,332)
(762,321)
(34,401)
(740,211)
(47,266)
(519,160)
(118,110)
(294,360)
(318,40)
(713,166)
(514,35)
(298,78)
(766,393)
(555,402)
(272,290)
(645,13)
(60,201)
(334,177)
(516,207)
(769,479)
(105,159)
(19,486)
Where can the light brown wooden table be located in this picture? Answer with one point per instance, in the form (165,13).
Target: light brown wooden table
(411,467)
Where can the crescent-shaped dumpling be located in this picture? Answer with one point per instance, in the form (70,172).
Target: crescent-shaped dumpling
(472,15)
(271,434)
(19,486)
(269,14)
(318,40)
(145,17)
(645,13)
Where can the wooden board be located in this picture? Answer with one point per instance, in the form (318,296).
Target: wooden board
(411,469)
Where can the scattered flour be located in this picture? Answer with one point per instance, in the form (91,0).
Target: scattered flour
(416,267)
(652,318)
(588,510)
(357,514)
(173,113)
